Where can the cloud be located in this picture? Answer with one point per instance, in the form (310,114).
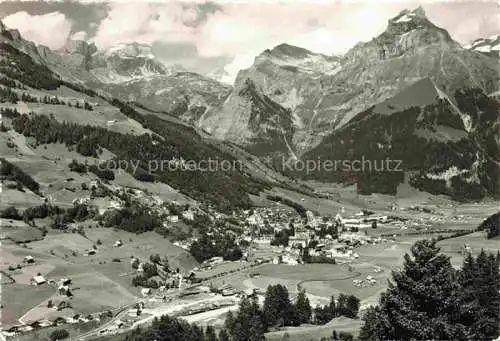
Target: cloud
(50,29)
(152,22)
(80,35)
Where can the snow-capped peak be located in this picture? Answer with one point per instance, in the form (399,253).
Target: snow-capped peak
(490,45)
(407,15)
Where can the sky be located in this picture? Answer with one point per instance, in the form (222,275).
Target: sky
(208,37)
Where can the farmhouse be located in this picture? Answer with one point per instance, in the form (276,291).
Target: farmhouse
(63,290)
(29,259)
(189,215)
(118,243)
(173,218)
(298,239)
(145,291)
(264,239)
(38,280)
(289,260)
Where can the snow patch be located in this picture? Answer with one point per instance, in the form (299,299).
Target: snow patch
(484,48)
(447,174)
(405,18)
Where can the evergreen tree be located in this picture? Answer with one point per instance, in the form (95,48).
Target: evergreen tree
(370,319)
(223,335)
(332,308)
(422,303)
(341,305)
(278,310)
(248,323)
(479,296)
(210,334)
(303,308)
(352,306)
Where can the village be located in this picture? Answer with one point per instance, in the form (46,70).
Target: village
(268,239)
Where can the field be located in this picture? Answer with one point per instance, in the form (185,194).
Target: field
(98,282)
(306,332)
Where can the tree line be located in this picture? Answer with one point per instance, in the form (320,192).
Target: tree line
(226,190)
(249,323)
(9,171)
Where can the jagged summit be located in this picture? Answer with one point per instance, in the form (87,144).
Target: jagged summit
(9,34)
(130,50)
(408,15)
(413,20)
(289,50)
(80,47)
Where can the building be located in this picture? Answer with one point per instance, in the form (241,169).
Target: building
(145,292)
(296,241)
(29,259)
(263,239)
(214,260)
(173,219)
(255,219)
(38,280)
(188,215)
(289,260)
(63,290)
(118,243)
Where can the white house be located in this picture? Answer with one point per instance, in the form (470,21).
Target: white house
(289,259)
(189,215)
(173,218)
(38,280)
(145,291)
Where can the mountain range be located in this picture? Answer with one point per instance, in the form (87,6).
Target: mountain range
(411,93)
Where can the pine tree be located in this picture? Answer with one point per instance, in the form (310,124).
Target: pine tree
(303,308)
(352,306)
(332,308)
(370,319)
(479,296)
(223,335)
(210,334)
(341,305)
(278,310)
(422,301)
(248,324)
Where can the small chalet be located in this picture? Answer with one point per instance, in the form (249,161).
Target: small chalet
(38,280)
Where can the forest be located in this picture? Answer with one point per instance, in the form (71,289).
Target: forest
(226,190)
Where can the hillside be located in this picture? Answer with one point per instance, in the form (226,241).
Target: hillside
(51,110)
(441,148)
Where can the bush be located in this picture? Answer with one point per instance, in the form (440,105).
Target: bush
(11,213)
(59,334)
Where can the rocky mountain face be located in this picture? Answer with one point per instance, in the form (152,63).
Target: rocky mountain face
(324,93)
(252,119)
(129,72)
(186,95)
(488,46)
(289,77)
(435,143)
